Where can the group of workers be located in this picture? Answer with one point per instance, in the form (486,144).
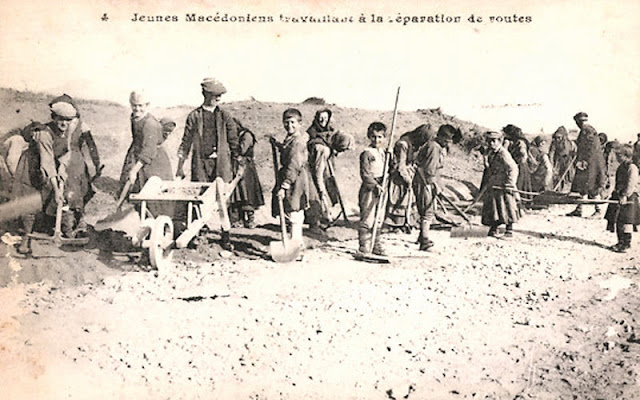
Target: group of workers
(60,160)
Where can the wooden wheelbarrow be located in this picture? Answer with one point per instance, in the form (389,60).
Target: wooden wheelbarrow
(207,204)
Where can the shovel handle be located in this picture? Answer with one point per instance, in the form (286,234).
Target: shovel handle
(123,194)
(283,227)
(478,197)
(455,207)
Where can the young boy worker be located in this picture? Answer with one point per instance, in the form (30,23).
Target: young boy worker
(371,170)
(292,181)
(211,135)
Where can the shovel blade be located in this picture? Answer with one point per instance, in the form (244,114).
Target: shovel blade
(113,219)
(467,231)
(282,253)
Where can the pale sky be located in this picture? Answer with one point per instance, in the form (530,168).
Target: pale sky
(573,56)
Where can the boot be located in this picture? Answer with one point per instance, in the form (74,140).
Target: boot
(423,238)
(25,243)
(249,221)
(225,243)
(577,212)
(377,247)
(25,246)
(364,240)
(597,212)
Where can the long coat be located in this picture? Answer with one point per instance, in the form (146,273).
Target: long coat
(293,175)
(203,167)
(72,156)
(561,152)
(590,177)
(500,205)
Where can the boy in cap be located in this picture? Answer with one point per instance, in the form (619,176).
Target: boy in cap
(211,136)
(426,184)
(623,218)
(500,176)
(292,182)
(590,176)
(371,169)
(561,153)
(68,157)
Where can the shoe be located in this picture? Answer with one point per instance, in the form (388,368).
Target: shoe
(575,213)
(508,234)
(596,215)
(493,232)
(250,224)
(426,245)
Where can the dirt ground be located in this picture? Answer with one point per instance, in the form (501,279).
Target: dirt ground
(548,314)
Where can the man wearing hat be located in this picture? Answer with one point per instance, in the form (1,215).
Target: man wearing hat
(68,159)
(211,136)
(590,176)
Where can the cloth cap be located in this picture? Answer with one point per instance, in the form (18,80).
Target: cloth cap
(213,86)
(494,135)
(138,97)
(64,109)
(581,116)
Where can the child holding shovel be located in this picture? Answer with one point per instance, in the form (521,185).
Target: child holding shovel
(371,171)
(292,182)
(624,217)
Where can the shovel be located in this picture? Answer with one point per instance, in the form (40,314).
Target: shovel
(119,214)
(286,250)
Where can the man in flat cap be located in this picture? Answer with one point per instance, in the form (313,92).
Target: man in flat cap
(211,136)
(69,161)
(590,177)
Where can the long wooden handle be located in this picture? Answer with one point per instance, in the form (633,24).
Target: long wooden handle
(335,181)
(382,201)
(123,194)
(478,197)
(455,207)
(283,227)
(566,171)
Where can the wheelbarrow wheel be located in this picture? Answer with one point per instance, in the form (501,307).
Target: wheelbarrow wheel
(161,242)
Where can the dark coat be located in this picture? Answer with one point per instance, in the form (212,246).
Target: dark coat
(626,185)
(590,176)
(203,168)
